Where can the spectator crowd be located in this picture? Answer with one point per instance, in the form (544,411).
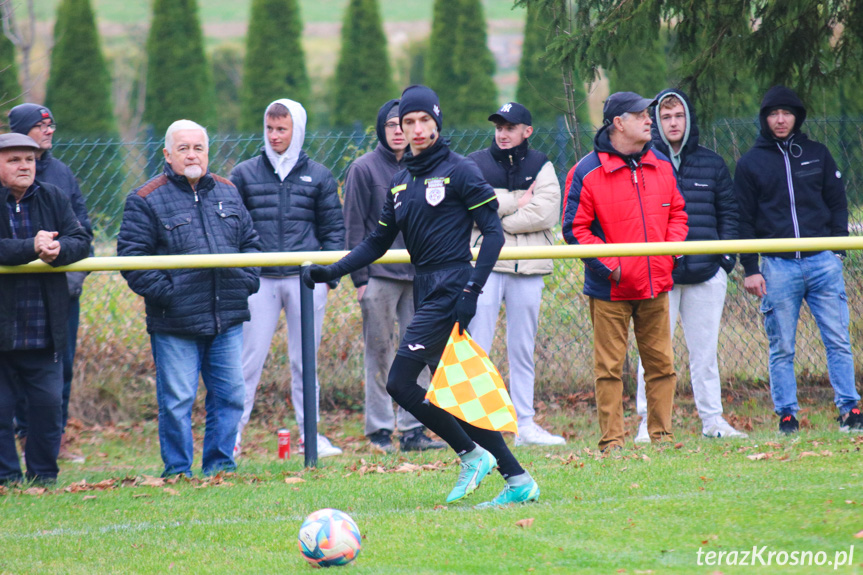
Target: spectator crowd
(647,179)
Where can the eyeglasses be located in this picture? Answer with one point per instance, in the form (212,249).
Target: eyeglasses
(46,127)
(392,125)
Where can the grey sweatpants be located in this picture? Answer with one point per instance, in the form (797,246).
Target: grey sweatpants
(384,303)
(274,295)
(522,295)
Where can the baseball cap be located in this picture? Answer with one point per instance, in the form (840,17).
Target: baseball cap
(621,102)
(512,113)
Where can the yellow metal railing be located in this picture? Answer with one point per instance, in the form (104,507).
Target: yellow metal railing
(115,263)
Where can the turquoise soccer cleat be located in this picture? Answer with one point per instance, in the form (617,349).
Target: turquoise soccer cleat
(472,473)
(513,494)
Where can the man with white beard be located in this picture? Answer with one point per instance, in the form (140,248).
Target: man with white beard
(194,316)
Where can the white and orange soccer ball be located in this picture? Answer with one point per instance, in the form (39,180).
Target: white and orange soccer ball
(329,538)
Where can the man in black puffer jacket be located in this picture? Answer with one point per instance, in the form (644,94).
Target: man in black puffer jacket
(294,203)
(38,122)
(700,281)
(38,223)
(194,316)
(788,186)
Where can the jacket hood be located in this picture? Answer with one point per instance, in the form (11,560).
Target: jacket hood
(382,119)
(284,163)
(690,134)
(781,97)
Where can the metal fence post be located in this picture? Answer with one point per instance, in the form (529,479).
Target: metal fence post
(310,393)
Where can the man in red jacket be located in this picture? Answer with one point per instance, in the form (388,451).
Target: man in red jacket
(624,192)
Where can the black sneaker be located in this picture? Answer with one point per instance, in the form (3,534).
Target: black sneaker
(788,424)
(382,440)
(851,422)
(417,440)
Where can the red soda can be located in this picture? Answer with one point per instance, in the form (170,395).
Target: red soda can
(284,444)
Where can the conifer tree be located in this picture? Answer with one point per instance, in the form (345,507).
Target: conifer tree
(10,88)
(477,93)
(363,76)
(640,67)
(540,84)
(178,76)
(275,64)
(79,86)
(440,68)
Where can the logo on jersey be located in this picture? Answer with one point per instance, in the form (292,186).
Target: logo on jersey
(416,346)
(436,190)
(306,178)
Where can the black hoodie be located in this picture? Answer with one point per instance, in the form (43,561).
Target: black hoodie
(367,186)
(788,188)
(705,182)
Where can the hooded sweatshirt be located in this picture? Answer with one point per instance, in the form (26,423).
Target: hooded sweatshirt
(706,185)
(367,185)
(285,162)
(788,188)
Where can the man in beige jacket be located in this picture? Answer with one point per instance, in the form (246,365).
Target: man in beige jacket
(528,192)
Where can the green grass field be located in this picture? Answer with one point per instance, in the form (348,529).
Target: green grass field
(644,510)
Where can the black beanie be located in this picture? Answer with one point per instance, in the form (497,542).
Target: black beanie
(418,98)
(23,117)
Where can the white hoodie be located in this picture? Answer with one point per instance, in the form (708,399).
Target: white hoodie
(284,163)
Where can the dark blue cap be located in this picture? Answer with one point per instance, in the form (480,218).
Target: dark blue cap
(621,102)
(512,113)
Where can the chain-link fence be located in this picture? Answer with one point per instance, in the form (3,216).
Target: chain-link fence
(114,370)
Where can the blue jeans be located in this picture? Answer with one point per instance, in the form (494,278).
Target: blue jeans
(818,280)
(179,360)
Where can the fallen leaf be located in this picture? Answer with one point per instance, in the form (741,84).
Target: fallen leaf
(772,444)
(678,445)
(35,491)
(809,454)
(290,480)
(858,535)
(634,486)
(525,523)
(759,456)
(153,481)
(436,507)
(170,491)
(645,458)
(137,495)
(849,501)
(87,497)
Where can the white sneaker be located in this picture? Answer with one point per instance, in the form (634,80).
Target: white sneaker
(718,427)
(642,436)
(532,434)
(325,448)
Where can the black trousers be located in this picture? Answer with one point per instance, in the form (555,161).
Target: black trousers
(38,376)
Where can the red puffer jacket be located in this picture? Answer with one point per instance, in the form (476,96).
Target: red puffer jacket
(607,201)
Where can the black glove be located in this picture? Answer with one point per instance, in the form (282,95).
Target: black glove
(316,274)
(465,308)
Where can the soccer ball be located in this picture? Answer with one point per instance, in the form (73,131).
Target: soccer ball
(329,537)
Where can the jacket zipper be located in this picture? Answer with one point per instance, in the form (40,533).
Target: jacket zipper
(212,249)
(791,195)
(643,227)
